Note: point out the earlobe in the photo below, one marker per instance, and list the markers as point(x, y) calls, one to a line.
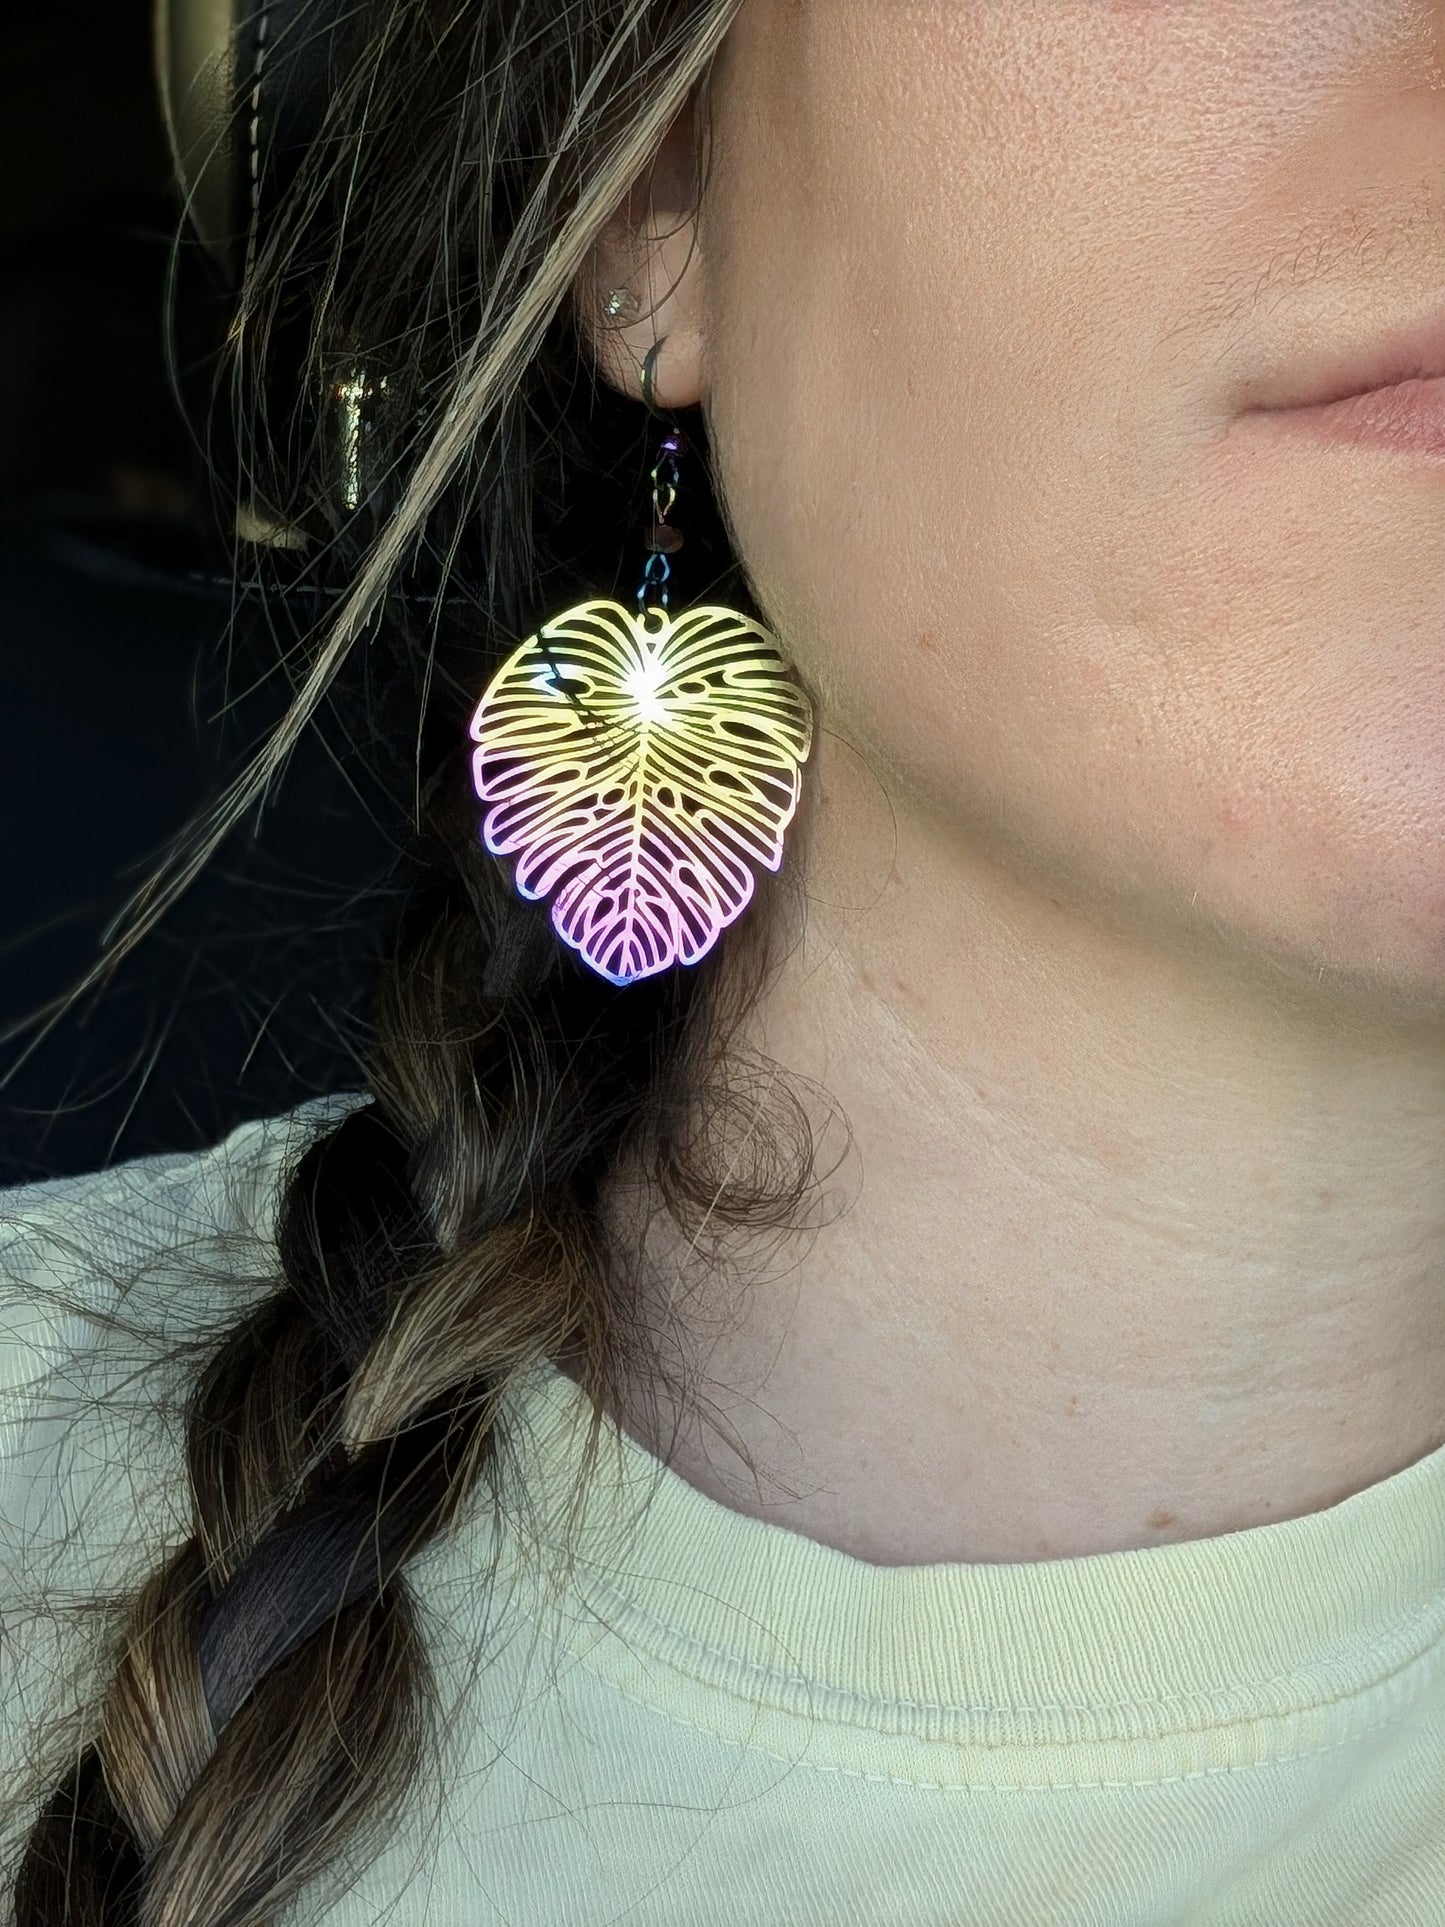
point(622, 327)
point(643, 279)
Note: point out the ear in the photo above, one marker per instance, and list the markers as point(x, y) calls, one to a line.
point(651, 248)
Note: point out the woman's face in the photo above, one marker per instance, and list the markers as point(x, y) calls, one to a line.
point(982, 289)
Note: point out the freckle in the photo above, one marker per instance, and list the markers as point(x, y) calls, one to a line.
point(1071, 1410)
point(905, 989)
point(928, 643)
point(1158, 1520)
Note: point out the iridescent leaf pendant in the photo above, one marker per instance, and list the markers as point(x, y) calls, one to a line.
point(636, 765)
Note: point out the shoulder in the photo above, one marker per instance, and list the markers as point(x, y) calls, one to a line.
point(75, 1247)
point(114, 1285)
point(107, 1276)
point(229, 1186)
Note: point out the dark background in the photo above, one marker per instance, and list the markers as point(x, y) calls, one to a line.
point(127, 693)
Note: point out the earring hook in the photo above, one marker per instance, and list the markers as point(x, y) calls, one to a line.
point(649, 369)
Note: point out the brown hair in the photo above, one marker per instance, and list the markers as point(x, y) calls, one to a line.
point(265, 1691)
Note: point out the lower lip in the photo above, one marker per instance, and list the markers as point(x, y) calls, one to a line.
point(1408, 418)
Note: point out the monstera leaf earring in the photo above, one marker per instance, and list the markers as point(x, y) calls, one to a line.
point(636, 765)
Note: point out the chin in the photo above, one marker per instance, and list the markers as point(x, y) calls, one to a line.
point(1333, 890)
point(1370, 956)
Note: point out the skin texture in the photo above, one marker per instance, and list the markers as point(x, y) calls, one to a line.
point(1125, 948)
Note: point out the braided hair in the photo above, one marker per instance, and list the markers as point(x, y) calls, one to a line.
point(264, 1705)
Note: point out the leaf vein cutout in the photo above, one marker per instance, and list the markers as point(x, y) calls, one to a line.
point(638, 772)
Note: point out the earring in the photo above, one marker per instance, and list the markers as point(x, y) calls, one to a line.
point(635, 764)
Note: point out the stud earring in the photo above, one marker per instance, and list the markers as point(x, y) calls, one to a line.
point(635, 765)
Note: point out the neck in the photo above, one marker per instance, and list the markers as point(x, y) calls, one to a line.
point(1138, 1239)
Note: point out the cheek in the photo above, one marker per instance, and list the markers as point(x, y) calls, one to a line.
point(1291, 660)
point(1185, 709)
